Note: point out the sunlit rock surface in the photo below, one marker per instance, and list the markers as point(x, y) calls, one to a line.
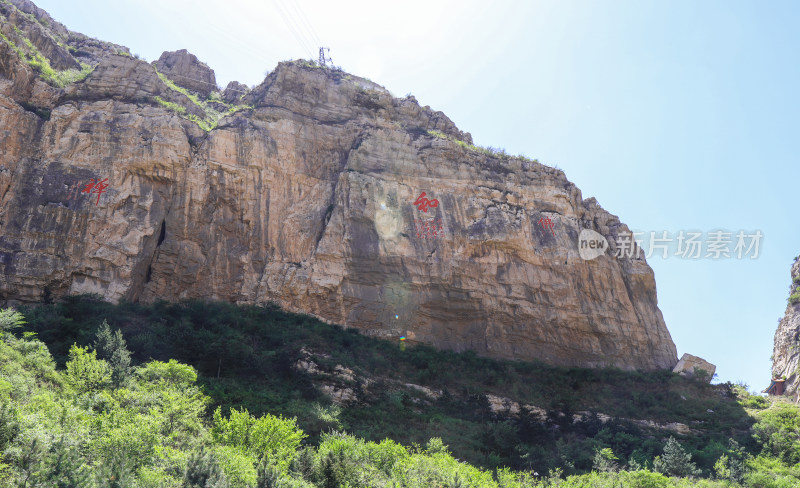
point(305, 197)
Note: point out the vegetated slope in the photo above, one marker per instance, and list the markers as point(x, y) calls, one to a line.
point(489, 412)
point(99, 422)
point(300, 191)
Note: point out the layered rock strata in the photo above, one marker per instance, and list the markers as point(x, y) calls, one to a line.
point(305, 197)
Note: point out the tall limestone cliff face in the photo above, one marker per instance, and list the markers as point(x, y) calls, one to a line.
point(303, 194)
point(786, 353)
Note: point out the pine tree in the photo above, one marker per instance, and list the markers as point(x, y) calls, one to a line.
point(114, 472)
point(203, 471)
point(456, 482)
point(67, 469)
point(30, 461)
point(675, 461)
point(9, 426)
point(732, 465)
point(303, 465)
point(112, 347)
point(268, 475)
point(605, 461)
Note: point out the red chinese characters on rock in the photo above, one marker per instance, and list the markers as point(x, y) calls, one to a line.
point(423, 203)
point(548, 224)
point(94, 186)
point(429, 228)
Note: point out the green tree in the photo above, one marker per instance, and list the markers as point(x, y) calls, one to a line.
point(172, 373)
point(111, 347)
point(29, 460)
point(605, 461)
point(203, 471)
point(10, 319)
point(271, 436)
point(9, 425)
point(268, 475)
point(67, 469)
point(114, 471)
point(456, 482)
point(304, 465)
point(85, 372)
point(732, 465)
point(777, 430)
point(675, 461)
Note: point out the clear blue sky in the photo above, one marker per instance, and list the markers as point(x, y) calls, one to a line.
point(678, 115)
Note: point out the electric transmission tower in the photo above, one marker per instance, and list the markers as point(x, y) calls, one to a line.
point(322, 58)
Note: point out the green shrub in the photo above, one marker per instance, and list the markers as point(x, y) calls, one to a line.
point(203, 471)
point(271, 436)
point(86, 373)
point(755, 401)
point(778, 430)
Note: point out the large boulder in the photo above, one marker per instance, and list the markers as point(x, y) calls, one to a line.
point(187, 71)
point(690, 365)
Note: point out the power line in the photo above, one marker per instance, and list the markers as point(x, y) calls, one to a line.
point(293, 27)
point(304, 21)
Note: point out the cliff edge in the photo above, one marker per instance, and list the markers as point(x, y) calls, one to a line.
point(300, 191)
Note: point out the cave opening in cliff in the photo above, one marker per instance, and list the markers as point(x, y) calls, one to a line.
point(163, 233)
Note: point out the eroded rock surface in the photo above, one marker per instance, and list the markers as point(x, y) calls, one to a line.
point(786, 353)
point(307, 200)
point(234, 92)
point(187, 71)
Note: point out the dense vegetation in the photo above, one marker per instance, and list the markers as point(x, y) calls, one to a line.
point(210, 397)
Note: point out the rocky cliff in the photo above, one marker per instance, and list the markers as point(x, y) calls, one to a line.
point(786, 352)
point(121, 179)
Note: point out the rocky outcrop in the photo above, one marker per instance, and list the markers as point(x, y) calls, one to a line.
point(786, 352)
point(307, 200)
point(187, 71)
point(18, 25)
point(234, 91)
point(690, 365)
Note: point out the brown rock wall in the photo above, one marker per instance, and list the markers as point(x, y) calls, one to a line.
point(307, 200)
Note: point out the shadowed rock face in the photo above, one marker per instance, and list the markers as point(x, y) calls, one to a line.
point(786, 352)
point(307, 200)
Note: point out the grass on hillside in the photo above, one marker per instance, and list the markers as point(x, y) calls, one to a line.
point(212, 116)
point(41, 64)
point(489, 151)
